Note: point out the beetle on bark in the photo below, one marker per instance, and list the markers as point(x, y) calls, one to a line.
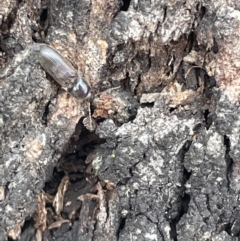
point(62, 71)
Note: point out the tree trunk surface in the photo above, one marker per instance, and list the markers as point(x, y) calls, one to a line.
point(154, 154)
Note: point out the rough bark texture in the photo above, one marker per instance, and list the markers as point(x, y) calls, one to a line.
point(163, 161)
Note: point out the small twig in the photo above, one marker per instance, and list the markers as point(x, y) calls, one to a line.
point(90, 117)
point(114, 88)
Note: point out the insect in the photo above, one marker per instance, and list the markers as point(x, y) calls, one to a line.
point(62, 71)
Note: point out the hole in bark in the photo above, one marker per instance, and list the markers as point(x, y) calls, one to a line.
point(149, 59)
point(131, 171)
point(227, 144)
point(208, 120)
point(185, 202)
point(52, 185)
point(60, 233)
point(164, 14)
point(43, 23)
point(45, 114)
point(148, 105)
point(186, 175)
point(121, 226)
point(228, 228)
point(83, 141)
point(184, 149)
point(132, 114)
point(210, 81)
point(228, 159)
point(138, 82)
point(202, 12)
point(44, 15)
point(135, 192)
point(197, 127)
point(125, 83)
point(215, 47)
point(172, 109)
point(173, 232)
point(184, 199)
point(27, 232)
point(190, 43)
point(7, 189)
point(208, 93)
point(125, 5)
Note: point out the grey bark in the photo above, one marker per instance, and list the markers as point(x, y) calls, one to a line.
point(168, 162)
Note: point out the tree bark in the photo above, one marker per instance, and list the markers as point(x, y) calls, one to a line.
point(162, 162)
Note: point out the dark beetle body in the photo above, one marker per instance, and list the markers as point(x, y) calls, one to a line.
point(62, 71)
